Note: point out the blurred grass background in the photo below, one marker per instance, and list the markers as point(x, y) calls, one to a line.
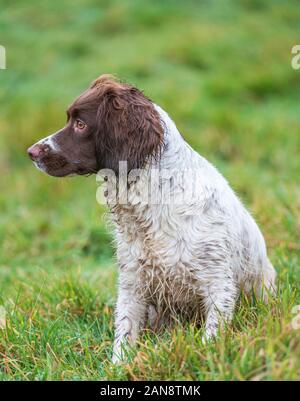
point(223, 72)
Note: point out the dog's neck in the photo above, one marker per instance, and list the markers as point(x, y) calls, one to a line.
point(174, 144)
point(141, 192)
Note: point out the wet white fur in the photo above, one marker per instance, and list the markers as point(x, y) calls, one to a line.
point(49, 140)
point(192, 257)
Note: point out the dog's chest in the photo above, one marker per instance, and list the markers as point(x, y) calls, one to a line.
point(165, 271)
point(164, 284)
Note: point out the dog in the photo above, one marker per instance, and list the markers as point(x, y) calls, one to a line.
point(190, 251)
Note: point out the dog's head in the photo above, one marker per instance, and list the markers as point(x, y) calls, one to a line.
point(108, 123)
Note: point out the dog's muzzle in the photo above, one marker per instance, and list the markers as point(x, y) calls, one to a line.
point(37, 151)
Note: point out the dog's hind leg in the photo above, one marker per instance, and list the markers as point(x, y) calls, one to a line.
point(265, 284)
point(219, 301)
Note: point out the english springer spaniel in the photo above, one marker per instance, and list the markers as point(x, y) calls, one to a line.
point(186, 246)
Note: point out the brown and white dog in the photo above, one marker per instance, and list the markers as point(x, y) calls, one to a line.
point(189, 252)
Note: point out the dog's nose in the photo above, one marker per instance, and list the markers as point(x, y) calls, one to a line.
point(35, 151)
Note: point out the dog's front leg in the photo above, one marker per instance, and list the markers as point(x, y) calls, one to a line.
point(130, 317)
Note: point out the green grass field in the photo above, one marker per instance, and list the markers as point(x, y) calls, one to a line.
point(223, 72)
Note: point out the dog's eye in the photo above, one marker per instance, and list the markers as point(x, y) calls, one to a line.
point(80, 124)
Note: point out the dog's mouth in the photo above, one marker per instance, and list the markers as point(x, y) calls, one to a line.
point(55, 165)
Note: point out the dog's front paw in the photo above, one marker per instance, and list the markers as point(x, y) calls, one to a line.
point(117, 359)
point(119, 351)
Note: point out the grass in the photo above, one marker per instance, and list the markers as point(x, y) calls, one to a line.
point(222, 70)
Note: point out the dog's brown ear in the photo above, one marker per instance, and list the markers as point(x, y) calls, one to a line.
point(129, 127)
